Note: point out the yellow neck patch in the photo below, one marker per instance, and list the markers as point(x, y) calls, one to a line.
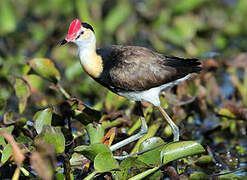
point(94, 65)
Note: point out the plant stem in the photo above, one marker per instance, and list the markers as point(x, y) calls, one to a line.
point(62, 90)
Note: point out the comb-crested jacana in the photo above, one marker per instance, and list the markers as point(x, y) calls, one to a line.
point(134, 72)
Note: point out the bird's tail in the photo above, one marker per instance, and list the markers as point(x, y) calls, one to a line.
point(191, 64)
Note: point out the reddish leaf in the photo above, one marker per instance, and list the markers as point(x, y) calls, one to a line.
point(109, 137)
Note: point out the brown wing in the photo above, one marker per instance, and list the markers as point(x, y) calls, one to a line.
point(133, 68)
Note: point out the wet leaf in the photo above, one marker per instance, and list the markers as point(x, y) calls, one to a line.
point(22, 91)
point(91, 151)
point(45, 68)
point(105, 162)
point(151, 157)
point(95, 133)
point(109, 137)
point(177, 150)
point(17, 154)
point(42, 118)
point(52, 136)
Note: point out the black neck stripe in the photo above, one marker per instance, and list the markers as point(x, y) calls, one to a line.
point(88, 26)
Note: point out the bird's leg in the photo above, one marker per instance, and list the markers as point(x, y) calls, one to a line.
point(141, 133)
point(175, 129)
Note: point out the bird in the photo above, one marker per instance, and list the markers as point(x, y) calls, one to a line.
point(134, 72)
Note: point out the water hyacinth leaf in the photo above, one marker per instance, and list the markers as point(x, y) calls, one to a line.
point(105, 162)
point(95, 133)
point(45, 68)
point(7, 17)
point(6, 153)
point(52, 136)
point(42, 118)
point(91, 151)
point(151, 157)
point(177, 150)
point(22, 91)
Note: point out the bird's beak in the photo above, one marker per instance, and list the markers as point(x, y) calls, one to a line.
point(63, 42)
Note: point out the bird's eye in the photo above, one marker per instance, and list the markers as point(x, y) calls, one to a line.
point(82, 32)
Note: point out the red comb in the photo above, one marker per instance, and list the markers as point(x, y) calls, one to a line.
point(73, 29)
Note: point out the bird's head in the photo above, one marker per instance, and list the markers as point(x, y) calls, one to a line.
point(79, 33)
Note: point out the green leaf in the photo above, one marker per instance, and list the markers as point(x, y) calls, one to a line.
point(151, 132)
point(45, 68)
point(7, 17)
point(187, 5)
point(76, 159)
point(23, 139)
point(128, 165)
point(36, 82)
point(226, 112)
point(144, 174)
point(198, 176)
point(91, 151)
point(95, 133)
point(6, 153)
point(52, 136)
point(9, 129)
point(204, 160)
point(151, 157)
point(105, 162)
point(22, 91)
point(177, 150)
point(24, 171)
point(42, 118)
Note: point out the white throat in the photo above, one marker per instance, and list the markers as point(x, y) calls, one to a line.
point(86, 48)
point(90, 61)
